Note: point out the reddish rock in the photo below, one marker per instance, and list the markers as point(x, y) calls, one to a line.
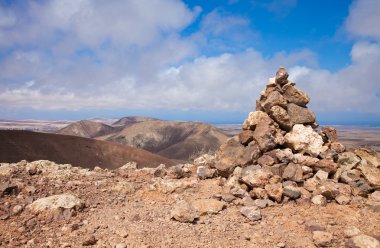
point(274, 99)
point(232, 154)
point(280, 115)
point(327, 165)
point(330, 133)
point(293, 172)
point(266, 137)
point(245, 137)
point(294, 95)
point(348, 160)
point(281, 76)
point(300, 115)
point(258, 193)
point(265, 160)
point(337, 147)
point(274, 191)
point(371, 173)
point(368, 154)
point(322, 239)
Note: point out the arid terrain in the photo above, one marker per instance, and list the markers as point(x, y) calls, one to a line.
point(134, 208)
point(16, 145)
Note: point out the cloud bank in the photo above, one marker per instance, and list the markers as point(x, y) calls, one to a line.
point(74, 55)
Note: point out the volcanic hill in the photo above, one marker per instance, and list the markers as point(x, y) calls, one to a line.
point(19, 145)
point(174, 140)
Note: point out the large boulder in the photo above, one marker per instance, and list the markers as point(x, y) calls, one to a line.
point(253, 213)
point(208, 206)
point(348, 160)
point(254, 118)
point(294, 95)
point(363, 241)
point(281, 76)
point(183, 211)
point(300, 115)
point(65, 204)
point(327, 165)
point(330, 133)
point(246, 137)
point(304, 139)
point(369, 155)
point(280, 115)
point(293, 172)
point(371, 173)
point(274, 99)
point(232, 154)
point(265, 132)
point(257, 177)
point(275, 191)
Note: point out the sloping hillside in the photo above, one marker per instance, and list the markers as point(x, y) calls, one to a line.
point(78, 151)
point(175, 140)
point(87, 129)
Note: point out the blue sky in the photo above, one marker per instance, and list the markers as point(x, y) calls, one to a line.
point(186, 60)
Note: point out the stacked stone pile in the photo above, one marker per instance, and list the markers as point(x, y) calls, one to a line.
point(281, 155)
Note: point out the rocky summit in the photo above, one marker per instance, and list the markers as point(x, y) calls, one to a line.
point(281, 155)
point(281, 182)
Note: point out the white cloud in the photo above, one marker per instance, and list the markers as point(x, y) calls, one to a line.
point(227, 81)
point(364, 19)
point(137, 22)
point(135, 57)
point(7, 18)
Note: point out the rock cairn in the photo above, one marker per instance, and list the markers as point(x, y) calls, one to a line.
point(280, 155)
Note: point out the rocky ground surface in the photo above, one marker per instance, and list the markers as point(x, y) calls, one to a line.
point(43, 204)
point(279, 183)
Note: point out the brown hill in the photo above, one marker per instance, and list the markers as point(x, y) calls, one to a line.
point(131, 120)
point(174, 140)
point(78, 151)
point(87, 129)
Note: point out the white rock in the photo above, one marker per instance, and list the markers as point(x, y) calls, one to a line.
point(322, 239)
point(183, 211)
point(253, 213)
point(64, 201)
point(205, 159)
point(129, 166)
point(319, 200)
point(304, 139)
point(363, 241)
point(351, 231)
point(7, 169)
point(321, 175)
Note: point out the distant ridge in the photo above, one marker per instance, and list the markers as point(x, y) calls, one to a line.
point(16, 145)
point(174, 140)
point(87, 129)
point(131, 120)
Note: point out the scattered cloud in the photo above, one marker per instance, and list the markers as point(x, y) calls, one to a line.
point(75, 55)
point(222, 32)
point(281, 8)
point(363, 19)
